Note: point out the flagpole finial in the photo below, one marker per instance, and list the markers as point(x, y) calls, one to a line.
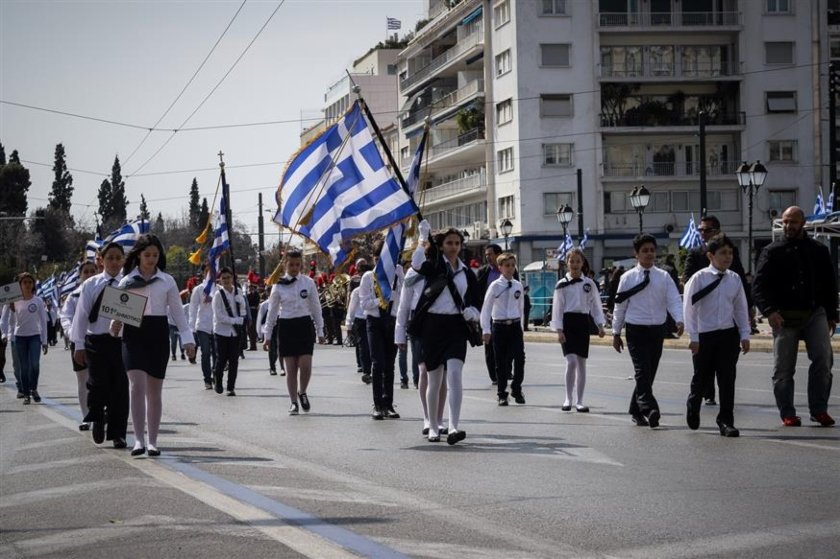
point(356, 89)
point(427, 121)
point(221, 158)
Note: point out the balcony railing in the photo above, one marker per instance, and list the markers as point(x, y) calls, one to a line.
point(457, 142)
point(669, 19)
point(467, 185)
point(669, 169)
point(671, 119)
point(460, 48)
point(446, 101)
point(648, 69)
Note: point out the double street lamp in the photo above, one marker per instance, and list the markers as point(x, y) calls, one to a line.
point(750, 179)
point(639, 199)
point(506, 226)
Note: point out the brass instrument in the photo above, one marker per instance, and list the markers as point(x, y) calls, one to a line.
point(335, 294)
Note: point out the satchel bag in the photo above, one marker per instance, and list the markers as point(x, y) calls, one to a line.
point(430, 294)
point(474, 334)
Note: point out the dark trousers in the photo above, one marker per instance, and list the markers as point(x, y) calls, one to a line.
point(490, 360)
point(332, 325)
point(207, 345)
point(3, 355)
point(383, 352)
point(509, 350)
point(107, 384)
point(414, 343)
point(52, 333)
point(227, 353)
point(175, 341)
point(272, 350)
point(362, 346)
point(718, 356)
point(252, 329)
point(644, 343)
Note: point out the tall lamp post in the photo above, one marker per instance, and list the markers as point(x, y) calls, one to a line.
point(639, 199)
point(506, 226)
point(466, 235)
point(565, 214)
point(750, 179)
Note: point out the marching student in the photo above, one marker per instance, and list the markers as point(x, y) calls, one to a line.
point(101, 353)
point(450, 299)
point(718, 326)
point(262, 316)
point(145, 347)
point(68, 311)
point(229, 308)
point(201, 324)
point(645, 295)
point(293, 305)
point(380, 336)
point(576, 298)
point(502, 318)
point(30, 335)
point(356, 321)
point(7, 328)
point(413, 286)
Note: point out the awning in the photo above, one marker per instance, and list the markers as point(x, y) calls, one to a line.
point(473, 16)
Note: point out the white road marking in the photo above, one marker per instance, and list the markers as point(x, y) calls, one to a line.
point(29, 497)
point(68, 462)
point(47, 444)
point(443, 550)
point(800, 443)
point(321, 495)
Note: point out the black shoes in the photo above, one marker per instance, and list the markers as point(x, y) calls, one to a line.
point(154, 452)
point(304, 401)
point(272, 372)
point(173, 357)
point(566, 407)
point(710, 402)
point(20, 395)
point(36, 396)
point(208, 385)
point(138, 451)
point(434, 439)
point(391, 413)
point(231, 393)
point(2, 377)
point(26, 401)
point(404, 385)
point(582, 409)
point(727, 430)
point(456, 436)
point(377, 414)
point(639, 420)
point(503, 401)
point(366, 379)
point(98, 432)
point(218, 384)
point(119, 442)
point(425, 431)
point(653, 419)
point(692, 418)
point(518, 398)
point(293, 409)
point(84, 426)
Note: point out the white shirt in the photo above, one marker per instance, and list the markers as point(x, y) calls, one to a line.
point(721, 309)
point(647, 307)
point(409, 297)
point(297, 299)
point(88, 295)
point(504, 300)
point(354, 309)
point(68, 310)
point(223, 323)
point(30, 319)
point(367, 294)
point(580, 297)
point(7, 322)
point(201, 311)
point(162, 294)
point(262, 317)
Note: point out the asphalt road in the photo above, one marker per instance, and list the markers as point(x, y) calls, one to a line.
point(238, 476)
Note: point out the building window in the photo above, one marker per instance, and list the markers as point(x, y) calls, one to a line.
point(781, 101)
point(557, 155)
point(555, 105)
point(501, 13)
point(503, 63)
point(778, 6)
point(504, 159)
point(780, 200)
point(553, 7)
point(783, 150)
point(778, 53)
point(506, 208)
point(553, 200)
point(556, 55)
point(834, 49)
point(504, 112)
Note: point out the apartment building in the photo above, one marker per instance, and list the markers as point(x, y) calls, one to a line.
point(523, 93)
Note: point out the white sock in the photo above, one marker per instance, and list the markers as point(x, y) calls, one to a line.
point(580, 384)
point(571, 371)
point(432, 392)
point(454, 369)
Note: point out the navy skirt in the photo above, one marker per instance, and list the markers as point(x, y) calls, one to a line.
point(147, 348)
point(576, 329)
point(295, 336)
point(443, 337)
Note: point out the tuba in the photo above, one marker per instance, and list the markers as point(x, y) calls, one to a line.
point(335, 294)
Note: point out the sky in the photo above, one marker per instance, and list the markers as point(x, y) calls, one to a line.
point(126, 61)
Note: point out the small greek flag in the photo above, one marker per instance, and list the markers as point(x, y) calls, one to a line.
point(70, 282)
point(221, 242)
point(829, 203)
point(127, 234)
point(691, 237)
point(90, 250)
point(819, 204)
point(393, 23)
point(565, 247)
point(582, 243)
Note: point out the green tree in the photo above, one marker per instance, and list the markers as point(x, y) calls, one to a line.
point(204, 214)
point(14, 158)
point(2, 155)
point(144, 208)
point(177, 264)
point(62, 186)
point(195, 208)
point(118, 199)
point(53, 225)
point(159, 226)
point(104, 197)
point(14, 184)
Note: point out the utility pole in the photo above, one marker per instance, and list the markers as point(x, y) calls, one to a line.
point(833, 90)
point(261, 237)
point(579, 203)
point(703, 206)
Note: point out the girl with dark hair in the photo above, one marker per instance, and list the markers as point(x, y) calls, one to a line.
point(145, 349)
point(30, 335)
point(450, 298)
point(96, 350)
point(68, 311)
point(294, 306)
point(229, 308)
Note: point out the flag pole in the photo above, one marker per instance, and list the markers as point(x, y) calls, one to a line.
point(228, 219)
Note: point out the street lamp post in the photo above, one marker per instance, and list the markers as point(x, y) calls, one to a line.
point(750, 179)
point(639, 199)
point(466, 235)
point(506, 226)
point(565, 214)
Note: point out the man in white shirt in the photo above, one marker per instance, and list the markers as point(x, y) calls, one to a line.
point(201, 322)
point(645, 295)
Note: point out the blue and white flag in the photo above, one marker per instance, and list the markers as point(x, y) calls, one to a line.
point(567, 245)
point(70, 282)
point(46, 289)
point(338, 187)
point(691, 237)
point(127, 234)
point(829, 203)
point(582, 243)
point(819, 204)
point(221, 243)
point(393, 23)
point(90, 250)
point(386, 265)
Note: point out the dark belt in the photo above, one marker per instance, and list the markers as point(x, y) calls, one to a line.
point(508, 321)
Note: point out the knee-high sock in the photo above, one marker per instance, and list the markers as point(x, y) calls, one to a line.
point(81, 380)
point(571, 372)
point(580, 383)
point(137, 391)
point(441, 401)
point(432, 391)
point(154, 407)
point(454, 369)
point(423, 386)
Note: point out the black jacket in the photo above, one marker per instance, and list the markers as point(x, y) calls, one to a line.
point(696, 260)
point(795, 274)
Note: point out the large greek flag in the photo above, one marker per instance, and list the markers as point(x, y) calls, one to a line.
point(127, 234)
point(338, 187)
point(567, 245)
point(691, 237)
point(221, 242)
point(70, 282)
point(386, 266)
